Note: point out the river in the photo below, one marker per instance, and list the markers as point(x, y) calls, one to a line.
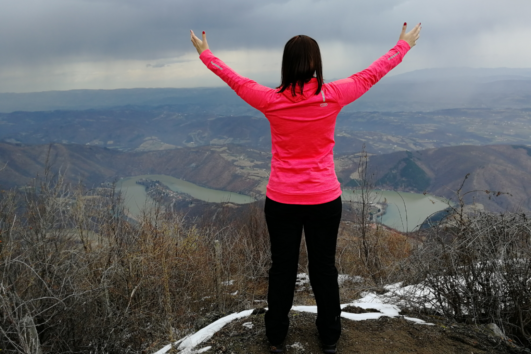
point(405, 211)
point(136, 198)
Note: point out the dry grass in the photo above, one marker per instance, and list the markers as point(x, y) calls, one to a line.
point(478, 267)
point(76, 276)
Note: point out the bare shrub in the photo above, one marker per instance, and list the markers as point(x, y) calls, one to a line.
point(476, 267)
point(76, 275)
point(366, 248)
point(378, 257)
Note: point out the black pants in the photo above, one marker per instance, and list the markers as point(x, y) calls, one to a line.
point(285, 223)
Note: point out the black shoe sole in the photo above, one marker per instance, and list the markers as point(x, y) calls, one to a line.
point(330, 349)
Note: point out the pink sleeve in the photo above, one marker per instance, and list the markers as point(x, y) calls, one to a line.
point(355, 86)
point(250, 91)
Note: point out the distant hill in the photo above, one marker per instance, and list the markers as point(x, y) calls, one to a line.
point(159, 128)
point(240, 169)
point(191, 100)
point(441, 171)
point(421, 90)
point(463, 74)
point(210, 166)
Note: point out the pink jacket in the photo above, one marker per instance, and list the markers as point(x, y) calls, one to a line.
point(302, 127)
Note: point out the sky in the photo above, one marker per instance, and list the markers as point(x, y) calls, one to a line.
point(108, 44)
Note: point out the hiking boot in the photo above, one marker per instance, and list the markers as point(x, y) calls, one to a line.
point(330, 348)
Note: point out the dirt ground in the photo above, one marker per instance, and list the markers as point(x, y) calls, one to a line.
point(385, 335)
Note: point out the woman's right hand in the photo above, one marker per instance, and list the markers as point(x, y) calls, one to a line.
point(412, 36)
point(200, 45)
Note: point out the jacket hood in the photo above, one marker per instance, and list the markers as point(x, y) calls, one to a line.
point(309, 90)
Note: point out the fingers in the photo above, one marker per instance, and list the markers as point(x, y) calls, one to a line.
point(196, 39)
point(417, 28)
point(412, 36)
point(200, 45)
point(415, 32)
point(204, 39)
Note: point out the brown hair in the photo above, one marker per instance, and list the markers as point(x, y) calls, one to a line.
point(300, 62)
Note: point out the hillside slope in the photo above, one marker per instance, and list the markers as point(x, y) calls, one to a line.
point(214, 167)
point(440, 171)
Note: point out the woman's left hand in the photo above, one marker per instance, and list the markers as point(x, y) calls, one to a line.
point(412, 36)
point(200, 45)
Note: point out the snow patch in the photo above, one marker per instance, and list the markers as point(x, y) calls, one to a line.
point(248, 325)
point(342, 278)
point(296, 345)
point(386, 304)
point(368, 301)
point(302, 279)
point(188, 343)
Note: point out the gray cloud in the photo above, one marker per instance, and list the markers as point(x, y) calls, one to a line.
point(155, 66)
point(36, 32)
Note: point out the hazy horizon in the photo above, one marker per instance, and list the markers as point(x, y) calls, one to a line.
point(397, 75)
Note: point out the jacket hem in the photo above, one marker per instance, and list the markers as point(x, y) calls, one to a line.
point(304, 199)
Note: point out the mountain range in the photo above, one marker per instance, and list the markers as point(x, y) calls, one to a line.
point(423, 131)
point(167, 127)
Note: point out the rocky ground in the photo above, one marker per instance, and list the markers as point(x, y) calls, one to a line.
point(385, 335)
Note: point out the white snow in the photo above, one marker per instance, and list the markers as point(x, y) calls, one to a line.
point(190, 342)
point(302, 279)
point(386, 304)
point(380, 303)
point(342, 278)
point(369, 301)
point(296, 345)
point(168, 347)
point(248, 325)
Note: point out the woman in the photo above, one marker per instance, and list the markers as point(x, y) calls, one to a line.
point(303, 192)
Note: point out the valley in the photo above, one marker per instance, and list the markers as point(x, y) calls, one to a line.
point(422, 132)
point(243, 170)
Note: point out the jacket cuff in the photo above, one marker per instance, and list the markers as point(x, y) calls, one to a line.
point(205, 55)
point(403, 43)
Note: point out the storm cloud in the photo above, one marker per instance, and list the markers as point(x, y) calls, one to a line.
point(64, 44)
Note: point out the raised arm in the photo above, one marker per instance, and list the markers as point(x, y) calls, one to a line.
point(250, 91)
point(355, 86)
